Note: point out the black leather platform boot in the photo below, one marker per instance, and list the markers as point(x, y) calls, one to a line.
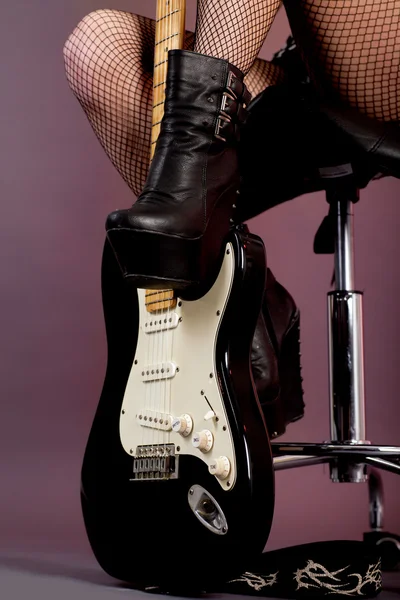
point(173, 235)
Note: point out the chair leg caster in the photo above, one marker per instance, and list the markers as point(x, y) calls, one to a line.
point(389, 546)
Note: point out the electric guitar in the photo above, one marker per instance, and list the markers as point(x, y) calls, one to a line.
point(177, 484)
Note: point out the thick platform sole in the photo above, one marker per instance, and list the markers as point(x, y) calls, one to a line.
point(153, 260)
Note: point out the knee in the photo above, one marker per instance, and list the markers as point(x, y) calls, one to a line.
point(83, 44)
point(86, 32)
point(96, 36)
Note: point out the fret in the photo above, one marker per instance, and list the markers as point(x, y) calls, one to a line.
point(150, 293)
point(162, 305)
point(161, 63)
point(169, 37)
point(158, 104)
point(168, 15)
point(162, 297)
point(158, 84)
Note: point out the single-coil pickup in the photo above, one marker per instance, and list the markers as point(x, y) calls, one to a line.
point(154, 420)
point(161, 322)
point(160, 371)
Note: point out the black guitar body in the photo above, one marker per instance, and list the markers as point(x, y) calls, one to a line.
point(145, 532)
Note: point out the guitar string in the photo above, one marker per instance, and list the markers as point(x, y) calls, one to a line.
point(168, 383)
point(153, 298)
point(170, 387)
point(150, 334)
point(164, 434)
point(147, 341)
point(150, 383)
point(158, 332)
point(164, 381)
point(172, 384)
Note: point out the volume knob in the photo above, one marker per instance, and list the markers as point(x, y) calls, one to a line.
point(220, 467)
point(203, 440)
point(183, 425)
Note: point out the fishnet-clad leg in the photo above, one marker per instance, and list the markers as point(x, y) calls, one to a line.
point(352, 50)
point(262, 74)
point(109, 66)
point(234, 30)
point(108, 61)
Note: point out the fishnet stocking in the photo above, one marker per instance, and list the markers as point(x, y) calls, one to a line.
point(352, 50)
point(234, 30)
point(109, 66)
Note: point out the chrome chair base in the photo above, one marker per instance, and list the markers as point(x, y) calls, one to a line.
point(356, 456)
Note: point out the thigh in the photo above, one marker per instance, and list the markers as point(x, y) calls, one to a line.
point(352, 50)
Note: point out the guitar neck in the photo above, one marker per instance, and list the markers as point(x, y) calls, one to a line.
point(170, 32)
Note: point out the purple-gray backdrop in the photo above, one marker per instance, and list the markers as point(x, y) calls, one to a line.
point(57, 186)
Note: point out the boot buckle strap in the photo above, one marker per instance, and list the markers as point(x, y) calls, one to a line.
point(226, 96)
point(233, 97)
point(226, 118)
point(222, 118)
point(233, 109)
point(238, 89)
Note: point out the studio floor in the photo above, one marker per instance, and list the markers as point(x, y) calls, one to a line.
point(68, 577)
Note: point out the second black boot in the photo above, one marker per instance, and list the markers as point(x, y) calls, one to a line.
point(173, 235)
point(275, 358)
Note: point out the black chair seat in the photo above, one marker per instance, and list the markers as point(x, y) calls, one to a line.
point(376, 141)
point(293, 145)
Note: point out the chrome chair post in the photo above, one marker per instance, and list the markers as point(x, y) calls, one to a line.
point(346, 348)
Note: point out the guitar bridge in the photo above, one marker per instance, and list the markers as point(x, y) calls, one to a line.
point(155, 462)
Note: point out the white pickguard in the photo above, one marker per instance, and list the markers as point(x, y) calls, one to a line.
point(188, 351)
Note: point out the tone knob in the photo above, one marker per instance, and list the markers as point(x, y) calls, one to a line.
point(183, 425)
point(220, 467)
point(203, 440)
